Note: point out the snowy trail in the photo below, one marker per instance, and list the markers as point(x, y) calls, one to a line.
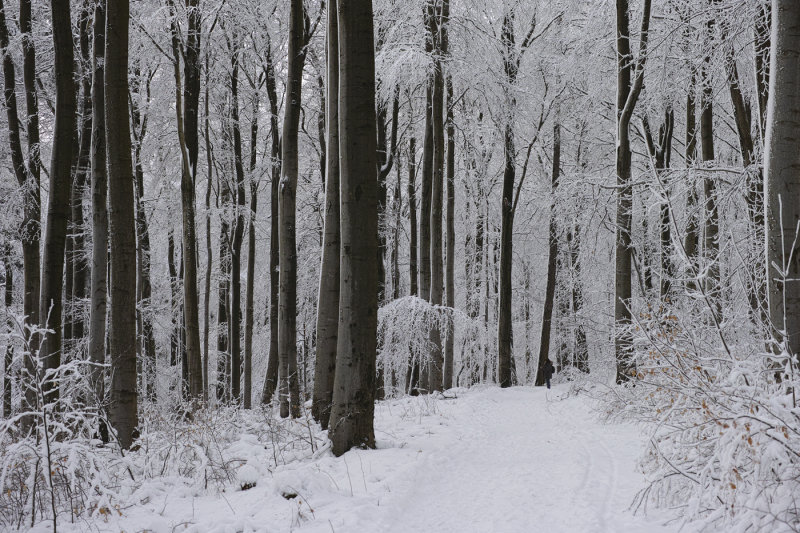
point(518, 460)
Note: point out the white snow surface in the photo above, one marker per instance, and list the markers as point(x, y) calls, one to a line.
point(480, 460)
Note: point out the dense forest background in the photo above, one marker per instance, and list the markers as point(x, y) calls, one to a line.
point(556, 179)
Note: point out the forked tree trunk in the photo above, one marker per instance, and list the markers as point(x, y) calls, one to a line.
point(628, 91)
point(287, 197)
point(781, 160)
point(328, 300)
point(186, 107)
point(552, 257)
point(122, 345)
point(353, 407)
point(99, 281)
point(50, 302)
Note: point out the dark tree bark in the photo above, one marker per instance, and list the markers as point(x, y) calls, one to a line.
point(238, 233)
point(781, 159)
point(99, 281)
point(761, 42)
point(122, 345)
point(412, 216)
point(504, 330)
point(287, 197)
point(58, 205)
point(175, 304)
point(271, 381)
point(437, 194)
point(352, 413)
point(552, 257)
point(328, 300)
point(628, 91)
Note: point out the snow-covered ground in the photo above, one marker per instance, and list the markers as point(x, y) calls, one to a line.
point(487, 460)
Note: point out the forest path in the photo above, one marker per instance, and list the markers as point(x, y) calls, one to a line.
point(515, 460)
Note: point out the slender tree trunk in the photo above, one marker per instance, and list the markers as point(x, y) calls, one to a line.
point(186, 107)
point(99, 281)
point(80, 273)
point(691, 242)
point(50, 304)
point(552, 257)
point(271, 381)
point(627, 95)
point(450, 228)
point(31, 222)
point(711, 233)
point(238, 234)
point(124, 416)
point(223, 296)
point(8, 357)
point(762, 49)
point(251, 263)
point(175, 306)
point(328, 300)
point(781, 160)
point(209, 249)
point(287, 197)
point(412, 216)
point(353, 407)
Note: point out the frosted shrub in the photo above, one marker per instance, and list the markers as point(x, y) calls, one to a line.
point(725, 444)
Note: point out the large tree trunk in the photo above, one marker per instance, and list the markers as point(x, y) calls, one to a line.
point(271, 381)
point(353, 407)
point(552, 257)
point(99, 281)
point(50, 303)
point(122, 345)
point(287, 197)
point(328, 300)
point(781, 160)
point(238, 233)
point(437, 194)
point(504, 319)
